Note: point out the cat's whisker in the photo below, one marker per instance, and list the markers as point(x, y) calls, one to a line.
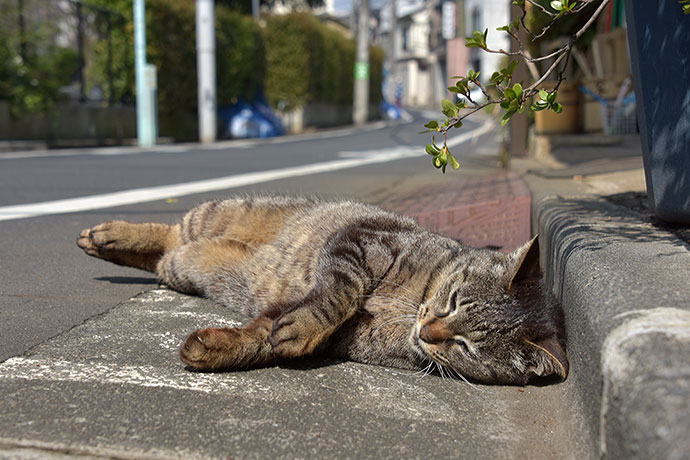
point(440, 372)
point(425, 371)
point(462, 377)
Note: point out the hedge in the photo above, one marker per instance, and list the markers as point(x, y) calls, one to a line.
point(308, 61)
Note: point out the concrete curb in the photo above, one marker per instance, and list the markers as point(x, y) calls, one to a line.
point(624, 286)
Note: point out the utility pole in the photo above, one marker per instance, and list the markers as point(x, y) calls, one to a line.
point(146, 87)
point(206, 69)
point(360, 112)
point(392, 50)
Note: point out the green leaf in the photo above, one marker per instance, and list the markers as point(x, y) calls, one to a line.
point(557, 5)
point(552, 97)
point(432, 124)
point(453, 89)
point(511, 67)
point(449, 109)
point(543, 94)
point(558, 108)
point(517, 88)
point(453, 162)
point(539, 105)
point(507, 116)
point(509, 94)
point(430, 150)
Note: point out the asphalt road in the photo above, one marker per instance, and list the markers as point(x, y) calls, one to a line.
point(49, 286)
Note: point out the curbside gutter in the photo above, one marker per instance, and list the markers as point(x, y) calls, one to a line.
point(624, 286)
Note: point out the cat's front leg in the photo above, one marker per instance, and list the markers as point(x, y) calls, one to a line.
point(299, 331)
point(343, 280)
point(229, 348)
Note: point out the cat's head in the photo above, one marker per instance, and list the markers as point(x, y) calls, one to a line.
point(492, 320)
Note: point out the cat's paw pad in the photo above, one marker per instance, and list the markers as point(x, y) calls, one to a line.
point(295, 334)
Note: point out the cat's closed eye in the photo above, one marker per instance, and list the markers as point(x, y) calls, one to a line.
point(461, 344)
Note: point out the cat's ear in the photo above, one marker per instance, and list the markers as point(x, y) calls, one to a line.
point(525, 263)
point(548, 358)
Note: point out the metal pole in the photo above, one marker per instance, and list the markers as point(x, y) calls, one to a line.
point(145, 128)
point(206, 69)
point(360, 112)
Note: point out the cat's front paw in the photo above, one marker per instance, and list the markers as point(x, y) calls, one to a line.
point(296, 333)
point(203, 349)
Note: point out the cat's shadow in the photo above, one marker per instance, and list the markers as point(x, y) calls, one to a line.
point(128, 280)
point(305, 364)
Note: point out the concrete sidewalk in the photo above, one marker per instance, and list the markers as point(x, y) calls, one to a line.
point(622, 277)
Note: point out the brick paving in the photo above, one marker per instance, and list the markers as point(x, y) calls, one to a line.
point(487, 210)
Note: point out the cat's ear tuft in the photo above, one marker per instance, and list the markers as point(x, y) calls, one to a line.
point(525, 263)
point(548, 358)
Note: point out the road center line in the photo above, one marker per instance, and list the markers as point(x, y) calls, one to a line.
point(142, 195)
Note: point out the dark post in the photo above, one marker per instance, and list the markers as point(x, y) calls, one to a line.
point(658, 36)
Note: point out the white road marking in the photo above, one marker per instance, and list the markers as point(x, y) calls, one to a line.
point(142, 195)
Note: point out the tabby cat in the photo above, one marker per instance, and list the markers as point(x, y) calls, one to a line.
point(347, 280)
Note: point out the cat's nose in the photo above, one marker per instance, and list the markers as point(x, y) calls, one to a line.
point(433, 332)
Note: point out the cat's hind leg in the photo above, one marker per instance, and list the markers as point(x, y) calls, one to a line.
point(229, 348)
point(138, 245)
point(211, 268)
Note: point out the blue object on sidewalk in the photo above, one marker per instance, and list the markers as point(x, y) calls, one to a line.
point(244, 120)
point(389, 111)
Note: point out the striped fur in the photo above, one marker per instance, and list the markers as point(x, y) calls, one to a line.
point(347, 280)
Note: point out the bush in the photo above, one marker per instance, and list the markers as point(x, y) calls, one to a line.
point(32, 72)
point(240, 56)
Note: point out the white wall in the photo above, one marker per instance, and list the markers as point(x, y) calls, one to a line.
point(494, 13)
